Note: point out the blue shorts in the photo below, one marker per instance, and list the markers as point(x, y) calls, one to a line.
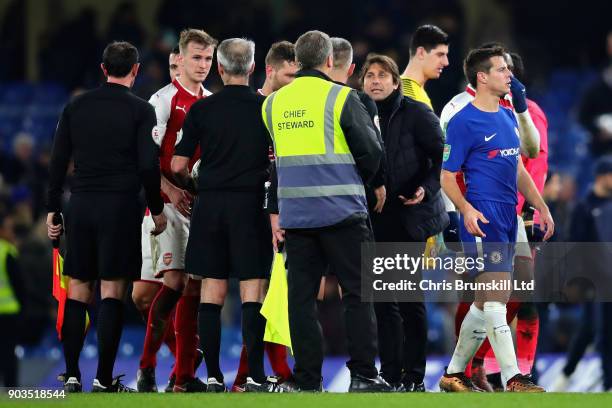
point(497, 248)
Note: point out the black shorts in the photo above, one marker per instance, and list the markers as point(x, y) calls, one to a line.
point(230, 236)
point(103, 236)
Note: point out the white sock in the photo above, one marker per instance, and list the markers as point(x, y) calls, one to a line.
point(500, 338)
point(471, 336)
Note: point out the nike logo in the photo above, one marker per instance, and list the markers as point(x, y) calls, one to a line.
point(183, 108)
point(487, 138)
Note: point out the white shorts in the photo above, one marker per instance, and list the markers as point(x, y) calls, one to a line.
point(146, 272)
point(166, 250)
point(448, 204)
point(522, 248)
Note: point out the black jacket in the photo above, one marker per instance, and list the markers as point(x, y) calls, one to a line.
point(413, 144)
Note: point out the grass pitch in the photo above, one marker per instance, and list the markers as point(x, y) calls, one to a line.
point(428, 400)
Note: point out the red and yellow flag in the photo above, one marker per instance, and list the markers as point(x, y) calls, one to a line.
point(60, 291)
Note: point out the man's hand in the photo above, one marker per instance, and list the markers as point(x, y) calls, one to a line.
point(519, 95)
point(471, 216)
point(278, 234)
point(160, 223)
point(181, 199)
point(53, 231)
point(546, 223)
point(418, 196)
point(381, 196)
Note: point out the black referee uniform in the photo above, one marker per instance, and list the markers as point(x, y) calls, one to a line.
point(230, 234)
point(107, 132)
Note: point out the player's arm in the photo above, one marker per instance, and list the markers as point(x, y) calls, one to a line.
point(180, 198)
point(528, 189)
point(528, 132)
point(456, 151)
point(471, 216)
point(185, 149)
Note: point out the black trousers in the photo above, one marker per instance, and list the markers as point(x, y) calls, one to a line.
point(402, 327)
point(309, 252)
point(8, 359)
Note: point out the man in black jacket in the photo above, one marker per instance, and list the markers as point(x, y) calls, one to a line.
point(107, 131)
point(414, 209)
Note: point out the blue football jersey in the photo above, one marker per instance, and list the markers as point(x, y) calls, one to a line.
point(486, 147)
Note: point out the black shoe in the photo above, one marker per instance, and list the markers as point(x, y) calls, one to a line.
point(416, 388)
point(215, 386)
point(170, 386)
point(145, 380)
point(116, 386)
point(193, 385)
point(269, 385)
point(290, 386)
point(359, 383)
point(72, 384)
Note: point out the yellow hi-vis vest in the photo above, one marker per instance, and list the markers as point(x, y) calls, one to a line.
point(8, 301)
point(318, 181)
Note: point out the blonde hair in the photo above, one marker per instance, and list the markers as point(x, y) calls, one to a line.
point(197, 36)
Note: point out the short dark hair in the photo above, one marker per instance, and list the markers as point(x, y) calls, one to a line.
point(385, 62)
point(175, 50)
point(493, 44)
point(118, 58)
point(312, 49)
point(518, 67)
point(479, 60)
point(280, 52)
point(429, 37)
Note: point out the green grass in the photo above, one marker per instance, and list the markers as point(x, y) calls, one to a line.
point(433, 400)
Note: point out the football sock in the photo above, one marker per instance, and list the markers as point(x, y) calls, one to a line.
point(277, 354)
point(243, 367)
point(253, 327)
point(161, 308)
point(485, 352)
point(527, 330)
point(471, 336)
point(500, 337)
point(209, 328)
point(73, 335)
point(110, 324)
point(186, 318)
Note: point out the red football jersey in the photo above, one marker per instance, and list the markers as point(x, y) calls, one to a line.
point(172, 103)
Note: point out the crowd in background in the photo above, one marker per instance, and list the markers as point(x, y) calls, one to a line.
point(71, 50)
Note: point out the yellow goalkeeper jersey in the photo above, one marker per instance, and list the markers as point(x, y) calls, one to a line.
point(413, 90)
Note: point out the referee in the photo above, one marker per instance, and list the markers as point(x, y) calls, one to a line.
point(107, 132)
point(230, 233)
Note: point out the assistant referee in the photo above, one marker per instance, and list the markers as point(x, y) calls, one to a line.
point(107, 132)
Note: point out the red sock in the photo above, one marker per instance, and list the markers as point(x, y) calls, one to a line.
point(527, 342)
point(462, 310)
point(186, 324)
point(277, 354)
point(159, 314)
point(169, 337)
point(243, 368)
